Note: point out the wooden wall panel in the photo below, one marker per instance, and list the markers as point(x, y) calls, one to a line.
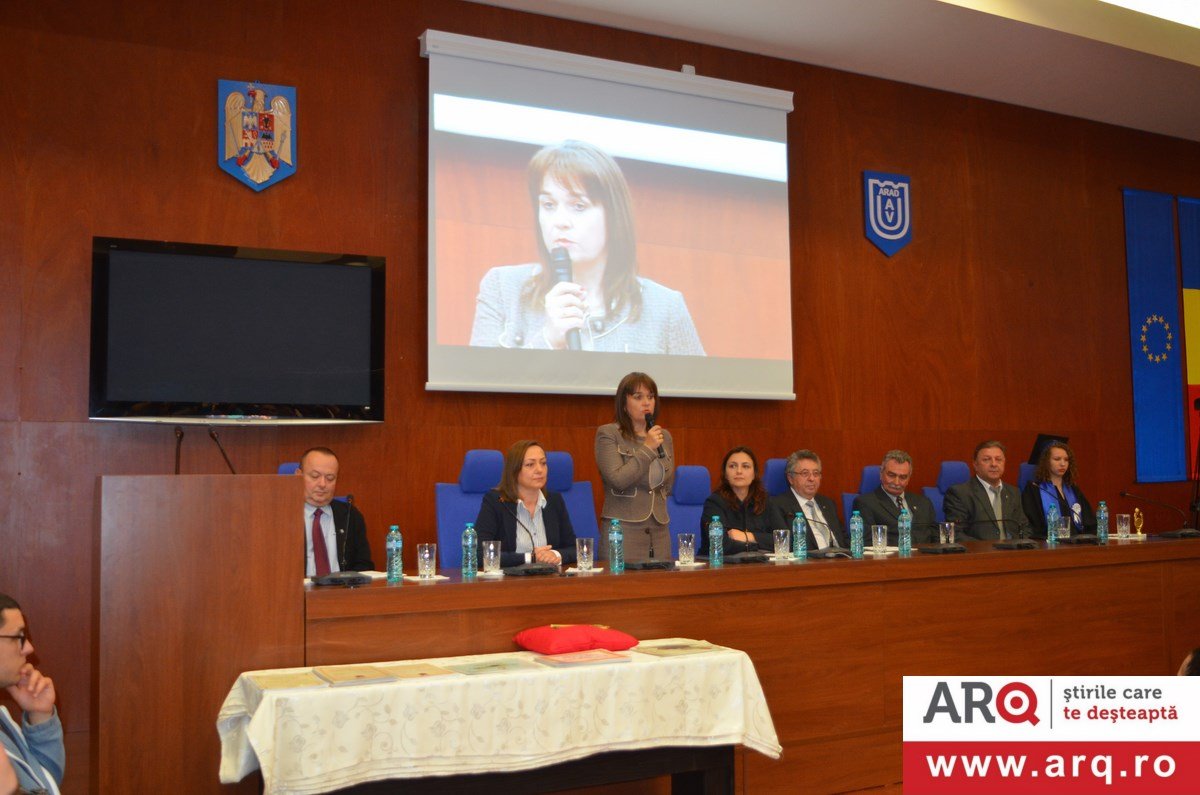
point(1005, 316)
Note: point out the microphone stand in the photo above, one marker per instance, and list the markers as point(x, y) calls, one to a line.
point(1183, 532)
point(213, 435)
point(178, 445)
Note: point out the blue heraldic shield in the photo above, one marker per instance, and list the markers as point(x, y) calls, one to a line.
point(888, 206)
point(256, 132)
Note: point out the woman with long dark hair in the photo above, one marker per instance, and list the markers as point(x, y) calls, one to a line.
point(741, 503)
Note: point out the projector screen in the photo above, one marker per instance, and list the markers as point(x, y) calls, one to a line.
point(588, 218)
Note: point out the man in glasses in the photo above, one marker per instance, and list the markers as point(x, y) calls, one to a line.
point(804, 479)
point(33, 746)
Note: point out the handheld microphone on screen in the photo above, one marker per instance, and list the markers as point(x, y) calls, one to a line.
point(212, 433)
point(1183, 532)
point(650, 424)
point(560, 264)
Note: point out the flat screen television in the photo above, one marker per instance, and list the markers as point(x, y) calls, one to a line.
point(204, 334)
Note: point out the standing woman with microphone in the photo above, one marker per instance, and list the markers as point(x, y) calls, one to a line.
point(1054, 484)
point(636, 459)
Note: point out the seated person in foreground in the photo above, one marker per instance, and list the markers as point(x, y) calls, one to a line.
point(33, 745)
point(883, 505)
point(741, 504)
point(1054, 484)
point(335, 532)
point(530, 522)
point(820, 513)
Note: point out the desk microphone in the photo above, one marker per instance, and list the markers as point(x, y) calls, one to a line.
point(212, 433)
point(1183, 532)
point(560, 265)
point(831, 551)
point(936, 547)
point(649, 563)
point(178, 445)
point(1020, 542)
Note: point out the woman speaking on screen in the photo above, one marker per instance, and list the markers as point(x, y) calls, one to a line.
point(637, 469)
point(584, 293)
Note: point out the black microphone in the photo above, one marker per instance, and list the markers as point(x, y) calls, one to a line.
point(560, 264)
point(650, 424)
point(1020, 542)
point(831, 551)
point(936, 547)
point(178, 445)
point(212, 433)
point(1183, 532)
point(341, 533)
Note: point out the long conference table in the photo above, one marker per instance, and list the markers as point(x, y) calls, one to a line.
point(830, 640)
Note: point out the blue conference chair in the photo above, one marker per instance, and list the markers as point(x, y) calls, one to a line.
point(775, 476)
point(686, 502)
point(1027, 472)
point(950, 474)
point(458, 503)
point(577, 494)
point(868, 483)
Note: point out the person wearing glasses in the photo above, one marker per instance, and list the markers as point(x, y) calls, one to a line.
point(34, 746)
point(820, 513)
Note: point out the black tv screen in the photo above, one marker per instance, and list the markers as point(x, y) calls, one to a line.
point(219, 334)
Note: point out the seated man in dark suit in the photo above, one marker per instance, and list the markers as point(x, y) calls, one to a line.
point(985, 507)
point(335, 532)
point(530, 521)
point(883, 505)
point(804, 478)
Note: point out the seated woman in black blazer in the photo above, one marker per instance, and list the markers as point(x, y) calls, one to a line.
point(530, 522)
point(741, 502)
point(1054, 484)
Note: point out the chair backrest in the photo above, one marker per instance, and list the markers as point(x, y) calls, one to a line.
point(848, 498)
point(686, 502)
point(577, 494)
point(951, 474)
point(870, 479)
point(1027, 471)
point(458, 503)
point(938, 499)
point(775, 476)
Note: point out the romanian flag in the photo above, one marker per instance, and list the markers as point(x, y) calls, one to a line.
point(1189, 256)
point(1160, 446)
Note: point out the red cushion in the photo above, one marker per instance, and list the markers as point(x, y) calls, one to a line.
point(560, 639)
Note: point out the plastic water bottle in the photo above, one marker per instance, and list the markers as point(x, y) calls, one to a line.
point(799, 537)
point(1102, 523)
point(856, 536)
point(616, 547)
point(904, 525)
point(395, 561)
point(716, 542)
point(470, 558)
point(1052, 517)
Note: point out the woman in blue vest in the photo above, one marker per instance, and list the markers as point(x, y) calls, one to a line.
point(1054, 483)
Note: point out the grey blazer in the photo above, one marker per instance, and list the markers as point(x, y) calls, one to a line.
point(969, 505)
point(625, 474)
point(502, 319)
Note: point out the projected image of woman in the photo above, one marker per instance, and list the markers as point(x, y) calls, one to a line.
point(583, 220)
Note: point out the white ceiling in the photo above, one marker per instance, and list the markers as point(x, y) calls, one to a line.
point(1077, 57)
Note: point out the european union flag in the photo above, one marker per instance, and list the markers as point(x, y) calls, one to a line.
point(1154, 337)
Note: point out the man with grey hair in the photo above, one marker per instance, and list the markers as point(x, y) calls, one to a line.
point(804, 478)
point(883, 505)
point(985, 507)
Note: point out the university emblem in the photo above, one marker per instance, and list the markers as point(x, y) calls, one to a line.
point(886, 198)
point(256, 132)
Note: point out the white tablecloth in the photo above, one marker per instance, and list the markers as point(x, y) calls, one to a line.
point(317, 739)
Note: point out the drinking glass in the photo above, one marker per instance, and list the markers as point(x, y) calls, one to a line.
point(426, 561)
point(783, 542)
point(491, 557)
point(687, 549)
point(1123, 526)
point(879, 538)
point(584, 549)
point(946, 532)
point(1064, 527)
